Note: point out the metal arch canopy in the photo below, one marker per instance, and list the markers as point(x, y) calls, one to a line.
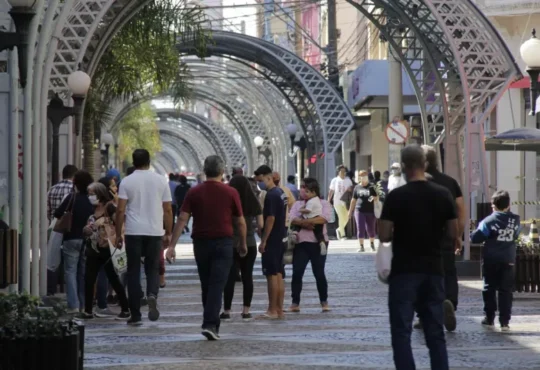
point(196, 138)
point(228, 145)
point(182, 154)
point(332, 119)
point(173, 139)
point(189, 140)
point(177, 154)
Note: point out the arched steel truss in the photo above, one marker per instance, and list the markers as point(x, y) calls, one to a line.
point(190, 138)
point(177, 155)
point(221, 140)
point(228, 147)
point(457, 61)
point(180, 141)
point(197, 138)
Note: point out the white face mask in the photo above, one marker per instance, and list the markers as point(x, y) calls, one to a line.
point(93, 200)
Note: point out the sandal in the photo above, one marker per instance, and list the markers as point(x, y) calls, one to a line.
point(266, 316)
point(294, 308)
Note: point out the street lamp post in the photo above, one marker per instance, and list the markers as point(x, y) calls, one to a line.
point(301, 143)
point(78, 82)
point(259, 141)
point(108, 140)
point(530, 53)
point(22, 12)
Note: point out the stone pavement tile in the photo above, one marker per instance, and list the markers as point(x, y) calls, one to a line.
point(354, 335)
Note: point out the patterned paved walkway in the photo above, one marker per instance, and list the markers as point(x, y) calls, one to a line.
point(354, 335)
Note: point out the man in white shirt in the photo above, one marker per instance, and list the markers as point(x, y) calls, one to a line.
point(144, 203)
point(396, 178)
point(338, 187)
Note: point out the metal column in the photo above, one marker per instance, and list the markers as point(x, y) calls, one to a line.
point(395, 101)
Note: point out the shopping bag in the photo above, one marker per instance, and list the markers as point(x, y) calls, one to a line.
point(54, 250)
point(118, 258)
point(383, 262)
point(377, 208)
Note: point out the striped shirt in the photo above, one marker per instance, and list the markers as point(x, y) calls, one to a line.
point(56, 196)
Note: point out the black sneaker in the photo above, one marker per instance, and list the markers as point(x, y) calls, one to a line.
point(85, 316)
point(225, 316)
point(210, 334)
point(505, 327)
point(153, 313)
point(246, 316)
point(488, 322)
point(123, 316)
point(450, 322)
point(134, 322)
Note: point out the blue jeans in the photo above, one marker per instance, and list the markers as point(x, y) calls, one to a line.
point(425, 293)
point(214, 258)
point(74, 266)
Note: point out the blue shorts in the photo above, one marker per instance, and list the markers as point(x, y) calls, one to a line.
point(272, 259)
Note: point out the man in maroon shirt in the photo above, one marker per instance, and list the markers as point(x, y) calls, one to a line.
point(214, 207)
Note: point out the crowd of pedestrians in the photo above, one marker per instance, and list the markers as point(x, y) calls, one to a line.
point(419, 209)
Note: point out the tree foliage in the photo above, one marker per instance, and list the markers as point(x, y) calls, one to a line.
point(142, 60)
point(139, 130)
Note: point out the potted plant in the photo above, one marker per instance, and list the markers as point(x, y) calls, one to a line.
point(33, 337)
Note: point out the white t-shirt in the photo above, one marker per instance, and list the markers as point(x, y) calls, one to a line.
point(145, 192)
point(314, 205)
point(395, 182)
point(340, 186)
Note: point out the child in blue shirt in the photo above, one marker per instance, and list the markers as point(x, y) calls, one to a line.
point(499, 232)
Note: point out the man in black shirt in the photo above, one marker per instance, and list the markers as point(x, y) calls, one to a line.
point(415, 218)
point(451, 247)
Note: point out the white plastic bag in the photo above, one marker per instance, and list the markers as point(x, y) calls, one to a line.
point(377, 207)
point(383, 262)
point(54, 250)
point(118, 258)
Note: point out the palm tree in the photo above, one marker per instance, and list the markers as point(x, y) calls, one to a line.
point(143, 55)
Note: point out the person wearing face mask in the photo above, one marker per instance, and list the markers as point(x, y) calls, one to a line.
point(99, 231)
point(73, 247)
point(396, 178)
point(363, 206)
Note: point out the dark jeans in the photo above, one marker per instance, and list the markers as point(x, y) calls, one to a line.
point(214, 258)
point(451, 286)
point(498, 278)
point(425, 293)
point(149, 247)
point(102, 288)
point(94, 262)
point(302, 254)
point(246, 268)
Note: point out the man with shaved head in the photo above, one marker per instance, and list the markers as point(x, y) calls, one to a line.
point(417, 217)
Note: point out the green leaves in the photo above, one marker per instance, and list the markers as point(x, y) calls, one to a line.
point(139, 130)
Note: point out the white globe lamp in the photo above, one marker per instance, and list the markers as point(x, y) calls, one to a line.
point(79, 83)
point(530, 53)
point(258, 141)
point(107, 139)
point(292, 129)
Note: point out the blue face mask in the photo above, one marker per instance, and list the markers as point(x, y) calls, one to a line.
point(262, 186)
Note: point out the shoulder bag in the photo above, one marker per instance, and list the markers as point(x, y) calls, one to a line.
point(63, 225)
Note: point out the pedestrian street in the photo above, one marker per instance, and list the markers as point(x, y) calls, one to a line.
point(354, 335)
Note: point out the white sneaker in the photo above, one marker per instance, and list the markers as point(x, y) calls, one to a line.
point(104, 313)
point(338, 235)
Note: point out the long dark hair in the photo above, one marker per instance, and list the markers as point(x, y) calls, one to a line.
point(250, 204)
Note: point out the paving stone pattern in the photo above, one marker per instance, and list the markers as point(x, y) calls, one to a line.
point(354, 335)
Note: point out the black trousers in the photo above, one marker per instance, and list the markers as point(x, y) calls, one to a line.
point(94, 262)
point(214, 258)
point(498, 278)
point(246, 268)
point(303, 254)
point(451, 287)
point(149, 247)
